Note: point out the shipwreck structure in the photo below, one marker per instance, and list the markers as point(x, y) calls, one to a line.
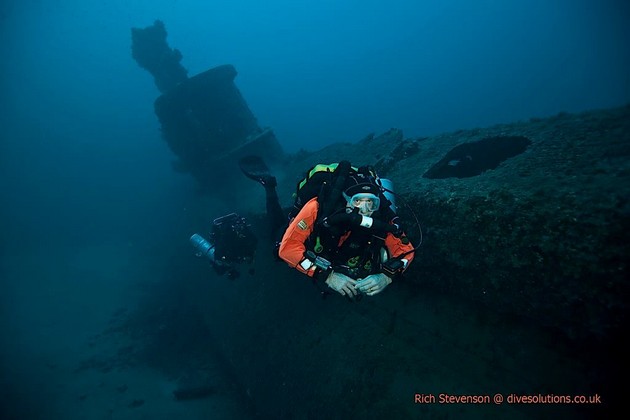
point(204, 119)
point(529, 218)
point(520, 281)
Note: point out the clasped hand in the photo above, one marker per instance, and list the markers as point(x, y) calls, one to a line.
point(373, 284)
point(346, 286)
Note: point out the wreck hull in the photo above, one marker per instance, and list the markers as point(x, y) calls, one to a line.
point(207, 124)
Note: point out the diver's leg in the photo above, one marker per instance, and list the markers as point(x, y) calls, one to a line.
point(275, 214)
point(255, 168)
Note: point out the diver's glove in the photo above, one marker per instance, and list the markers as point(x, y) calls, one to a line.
point(342, 284)
point(373, 284)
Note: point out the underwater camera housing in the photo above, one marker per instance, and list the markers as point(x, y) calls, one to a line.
point(233, 240)
point(230, 241)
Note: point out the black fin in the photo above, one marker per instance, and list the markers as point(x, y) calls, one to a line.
point(254, 167)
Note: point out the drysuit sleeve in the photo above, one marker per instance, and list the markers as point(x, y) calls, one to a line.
point(396, 247)
point(292, 247)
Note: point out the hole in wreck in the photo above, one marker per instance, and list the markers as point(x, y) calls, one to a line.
point(472, 159)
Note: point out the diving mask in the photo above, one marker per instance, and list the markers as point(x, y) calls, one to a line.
point(367, 203)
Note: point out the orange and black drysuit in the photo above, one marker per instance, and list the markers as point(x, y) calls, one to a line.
point(352, 249)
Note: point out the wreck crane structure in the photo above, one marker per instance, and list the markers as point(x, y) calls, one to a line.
point(204, 119)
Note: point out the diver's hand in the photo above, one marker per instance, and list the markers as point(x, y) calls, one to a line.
point(352, 218)
point(373, 284)
point(342, 284)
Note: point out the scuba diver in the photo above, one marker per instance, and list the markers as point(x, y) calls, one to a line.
point(230, 242)
point(342, 230)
